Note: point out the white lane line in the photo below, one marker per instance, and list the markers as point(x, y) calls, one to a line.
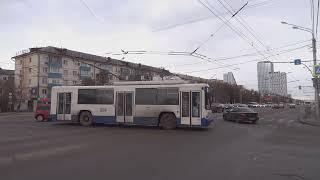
point(280, 120)
point(47, 152)
point(40, 153)
point(291, 121)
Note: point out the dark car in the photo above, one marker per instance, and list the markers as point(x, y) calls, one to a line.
point(241, 114)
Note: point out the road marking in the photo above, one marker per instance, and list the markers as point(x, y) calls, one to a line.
point(291, 121)
point(280, 120)
point(41, 154)
point(47, 152)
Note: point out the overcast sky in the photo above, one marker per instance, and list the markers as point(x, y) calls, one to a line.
point(102, 26)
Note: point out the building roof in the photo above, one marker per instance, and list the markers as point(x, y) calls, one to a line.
point(86, 56)
point(6, 72)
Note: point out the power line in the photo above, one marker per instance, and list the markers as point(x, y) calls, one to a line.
point(244, 24)
point(211, 35)
point(255, 54)
point(168, 27)
point(196, 55)
point(92, 12)
point(255, 60)
point(247, 27)
point(259, 4)
point(240, 34)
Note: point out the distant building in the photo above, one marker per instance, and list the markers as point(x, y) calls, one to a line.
point(270, 82)
point(37, 70)
point(229, 78)
point(6, 90)
point(264, 69)
point(6, 74)
point(279, 83)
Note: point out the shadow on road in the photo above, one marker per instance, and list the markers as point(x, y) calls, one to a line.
point(131, 127)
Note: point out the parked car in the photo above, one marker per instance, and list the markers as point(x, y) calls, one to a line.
point(42, 112)
point(241, 114)
point(281, 105)
point(253, 105)
point(240, 105)
point(292, 105)
point(217, 108)
point(278, 106)
point(227, 107)
point(268, 105)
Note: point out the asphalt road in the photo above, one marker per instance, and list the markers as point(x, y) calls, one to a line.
point(278, 147)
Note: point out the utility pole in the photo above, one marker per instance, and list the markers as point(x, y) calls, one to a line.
point(314, 53)
point(316, 87)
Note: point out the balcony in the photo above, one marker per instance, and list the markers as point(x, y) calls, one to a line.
point(83, 77)
point(85, 68)
point(54, 75)
point(50, 85)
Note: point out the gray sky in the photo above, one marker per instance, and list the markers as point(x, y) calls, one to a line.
point(100, 27)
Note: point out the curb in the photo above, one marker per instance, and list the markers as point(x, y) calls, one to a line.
point(309, 123)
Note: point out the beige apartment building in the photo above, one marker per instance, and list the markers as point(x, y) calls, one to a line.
point(37, 70)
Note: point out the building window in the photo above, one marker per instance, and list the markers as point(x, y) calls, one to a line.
point(84, 73)
point(54, 69)
point(65, 62)
point(75, 73)
point(55, 81)
point(30, 70)
point(65, 82)
point(29, 59)
point(45, 69)
point(65, 72)
point(74, 82)
point(29, 81)
point(5, 78)
point(44, 91)
point(20, 72)
point(44, 80)
point(95, 96)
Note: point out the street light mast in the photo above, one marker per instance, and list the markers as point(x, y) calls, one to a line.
point(314, 53)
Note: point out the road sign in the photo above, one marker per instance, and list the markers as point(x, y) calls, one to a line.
point(297, 61)
point(317, 70)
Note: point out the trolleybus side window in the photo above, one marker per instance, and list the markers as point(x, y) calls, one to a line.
point(161, 96)
point(168, 96)
point(95, 96)
point(146, 96)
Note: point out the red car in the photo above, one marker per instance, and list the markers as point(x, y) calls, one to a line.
point(42, 112)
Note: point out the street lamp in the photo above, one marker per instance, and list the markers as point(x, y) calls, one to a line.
point(314, 52)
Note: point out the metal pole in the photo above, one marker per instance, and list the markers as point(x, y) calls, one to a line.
point(314, 50)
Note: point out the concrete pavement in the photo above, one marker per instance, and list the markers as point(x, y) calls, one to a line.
point(278, 147)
